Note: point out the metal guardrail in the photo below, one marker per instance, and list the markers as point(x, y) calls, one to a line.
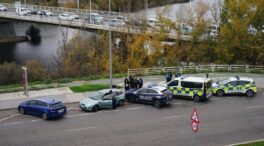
point(75, 23)
point(197, 69)
point(62, 9)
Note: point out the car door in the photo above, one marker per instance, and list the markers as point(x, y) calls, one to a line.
point(241, 86)
point(31, 108)
point(142, 95)
point(232, 87)
point(173, 85)
point(40, 107)
point(152, 94)
point(106, 101)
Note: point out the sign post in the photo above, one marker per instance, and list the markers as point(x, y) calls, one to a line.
point(194, 124)
point(25, 81)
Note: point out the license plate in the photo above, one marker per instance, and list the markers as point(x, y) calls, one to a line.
point(60, 111)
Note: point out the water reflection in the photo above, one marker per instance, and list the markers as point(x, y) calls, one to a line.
point(44, 52)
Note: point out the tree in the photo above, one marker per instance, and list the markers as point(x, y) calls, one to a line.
point(34, 33)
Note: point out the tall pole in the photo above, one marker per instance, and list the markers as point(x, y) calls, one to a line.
point(110, 44)
point(78, 5)
point(146, 9)
point(90, 11)
point(25, 81)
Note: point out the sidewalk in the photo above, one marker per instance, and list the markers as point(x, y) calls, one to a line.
point(11, 100)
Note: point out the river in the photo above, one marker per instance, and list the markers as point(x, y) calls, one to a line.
point(45, 52)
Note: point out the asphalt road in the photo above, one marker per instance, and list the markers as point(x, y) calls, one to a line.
point(224, 120)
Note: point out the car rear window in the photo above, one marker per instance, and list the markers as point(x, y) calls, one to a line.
point(56, 105)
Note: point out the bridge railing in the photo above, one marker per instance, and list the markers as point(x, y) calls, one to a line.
point(80, 23)
point(197, 69)
point(62, 9)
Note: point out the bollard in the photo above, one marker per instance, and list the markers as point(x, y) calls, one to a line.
point(207, 75)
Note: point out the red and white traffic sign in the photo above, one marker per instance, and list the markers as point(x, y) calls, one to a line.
point(194, 116)
point(194, 126)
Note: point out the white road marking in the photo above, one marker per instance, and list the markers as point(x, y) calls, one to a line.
point(134, 108)
point(250, 107)
point(78, 129)
point(78, 115)
point(173, 117)
point(9, 117)
point(245, 142)
point(15, 123)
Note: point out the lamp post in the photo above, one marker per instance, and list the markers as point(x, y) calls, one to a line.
point(110, 44)
point(25, 81)
point(90, 11)
point(146, 9)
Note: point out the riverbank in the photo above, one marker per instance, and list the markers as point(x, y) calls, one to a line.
point(13, 39)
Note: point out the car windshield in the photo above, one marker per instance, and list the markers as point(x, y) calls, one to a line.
point(224, 82)
point(56, 105)
point(96, 96)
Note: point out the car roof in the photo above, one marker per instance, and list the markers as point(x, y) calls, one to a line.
point(159, 88)
point(107, 90)
point(48, 100)
point(241, 78)
point(193, 79)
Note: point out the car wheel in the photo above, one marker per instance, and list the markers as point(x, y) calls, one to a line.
point(121, 103)
point(22, 111)
point(95, 108)
point(44, 116)
point(196, 98)
point(157, 104)
point(250, 93)
point(220, 93)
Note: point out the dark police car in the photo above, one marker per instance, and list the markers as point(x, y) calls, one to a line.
point(157, 96)
point(46, 108)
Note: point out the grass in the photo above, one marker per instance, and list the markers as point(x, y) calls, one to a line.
point(89, 87)
point(49, 83)
point(259, 143)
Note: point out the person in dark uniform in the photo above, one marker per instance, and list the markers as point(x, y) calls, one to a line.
point(131, 82)
point(114, 101)
point(136, 83)
point(167, 76)
point(126, 82)
point(140, 83)
point(170, 76)
point(178, 75)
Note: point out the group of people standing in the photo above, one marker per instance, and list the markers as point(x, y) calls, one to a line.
point(133, 83)
point(169, 75)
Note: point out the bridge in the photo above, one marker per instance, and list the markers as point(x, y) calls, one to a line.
point(81, 23)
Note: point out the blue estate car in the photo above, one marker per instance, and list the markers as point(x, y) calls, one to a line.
point(157, 96)
point(46, 108)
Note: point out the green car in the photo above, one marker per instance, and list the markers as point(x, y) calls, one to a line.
point(235, 85)
point(102, 100)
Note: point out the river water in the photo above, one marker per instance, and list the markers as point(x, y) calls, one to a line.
point(46, 51)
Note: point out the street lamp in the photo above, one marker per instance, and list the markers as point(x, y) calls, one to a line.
point(25, 81)
point(146, 8)
point(110, 44)
point(90, 11)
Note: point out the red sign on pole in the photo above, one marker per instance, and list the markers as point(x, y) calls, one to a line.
point(194, 116)
point(194, 126)
point(195, 120)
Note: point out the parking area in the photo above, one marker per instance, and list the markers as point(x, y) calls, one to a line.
point(223, 120)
